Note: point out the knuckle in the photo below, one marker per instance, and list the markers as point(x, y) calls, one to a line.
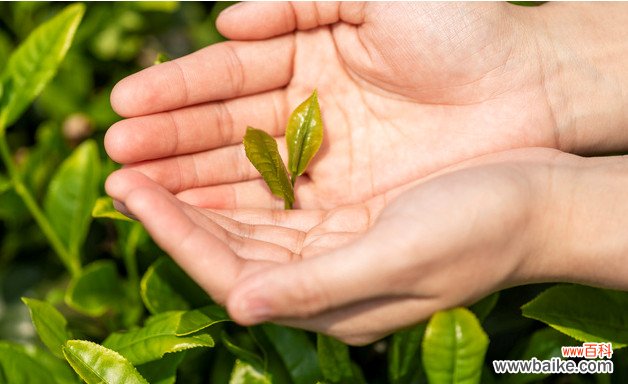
point(235, 71)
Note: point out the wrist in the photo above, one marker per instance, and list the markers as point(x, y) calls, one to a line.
point(583, 53)
point(586, 217)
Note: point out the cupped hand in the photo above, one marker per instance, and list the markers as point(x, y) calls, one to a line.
point(361, 271)
point(405, 89)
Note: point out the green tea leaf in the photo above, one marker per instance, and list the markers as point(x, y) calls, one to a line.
point(35, 62)
point(296, 351)
point(20, 364)
point(155, 339)
point(334, 360)
point(304, 135)
point(201, 318)
point(245, 373)
point(49, 323)
point(165, 287)
point(584, 313)
point(72, 193)
point(261, 149)
point(162, 371)
point(99, 365)
point(404, 353)
point(96, 290)
point(454, 345)
point(104, 208)
point(543, 344)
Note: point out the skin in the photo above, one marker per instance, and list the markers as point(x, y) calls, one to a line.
point(419, 185)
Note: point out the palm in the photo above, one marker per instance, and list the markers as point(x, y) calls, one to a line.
point(401, 98)
point(394, 115)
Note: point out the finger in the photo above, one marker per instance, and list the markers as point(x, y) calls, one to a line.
point(219, 166)
point(367, 321)
point(253, 194)
point(259, 235)
point(254, 20)
point(303, 289)
point(196, 128)
point(251, 242)
point(221, 71)
point(197, 251)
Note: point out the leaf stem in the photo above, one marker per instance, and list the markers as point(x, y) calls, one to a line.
point(37, 213)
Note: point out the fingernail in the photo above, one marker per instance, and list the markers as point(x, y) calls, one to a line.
point(256, 310)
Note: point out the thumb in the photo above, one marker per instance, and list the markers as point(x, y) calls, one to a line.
point(260, 20)
point(308, 287)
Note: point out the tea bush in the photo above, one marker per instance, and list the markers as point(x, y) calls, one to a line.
point(85, 293)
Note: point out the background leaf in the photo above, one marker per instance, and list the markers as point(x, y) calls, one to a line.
point(584, 313)
point(162, 371)
point(165, 287)
point(454, 345)
point(334, 360)
point(27, 365)
point(49, 323)
point(261, 149)
point(37, 59)
point(155, 339)
point(404, 353)
point(482, 308)
point(99, 365)
point(71, 195)
point(245, 373)
point(242, 353)
point(96, 290)
point(304, 135)
point(543, 344)
point(296, 351)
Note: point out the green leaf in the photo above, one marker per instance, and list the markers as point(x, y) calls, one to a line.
point(49, 323)
point(97, 290)
point(304, 135)
point(162, 371)
point(71, 195)
point(99, 365)
point(334, 360)
point(20, 364)
point(155, 339)
point(261, 149)
point(482, 308)
point(35, 62)
point(165, 287)
point(404, 353)
point(454, 345)
point(543, 344)
point(241, 353)
point(584, 313)
point(245, 373)
point(201, 318)
point(104, 208)
point(296, 351)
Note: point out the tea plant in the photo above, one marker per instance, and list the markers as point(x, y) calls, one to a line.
point(120, 311)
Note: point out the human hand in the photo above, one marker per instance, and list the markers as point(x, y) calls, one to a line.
point(406, 89)
point(362, 271)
